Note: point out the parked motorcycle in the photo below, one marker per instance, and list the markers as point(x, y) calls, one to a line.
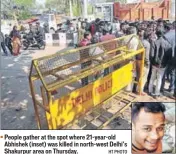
point(35, 41)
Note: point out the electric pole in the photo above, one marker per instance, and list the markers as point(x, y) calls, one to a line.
point(71, 12)
point(85, 8)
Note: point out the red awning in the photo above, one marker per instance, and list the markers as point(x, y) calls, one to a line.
point(31, 20)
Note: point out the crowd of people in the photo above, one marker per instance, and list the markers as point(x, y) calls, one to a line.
point(158, 39)
point(12, 42)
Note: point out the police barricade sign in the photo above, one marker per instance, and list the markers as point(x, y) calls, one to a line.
point(67, 108)
point(63, 99)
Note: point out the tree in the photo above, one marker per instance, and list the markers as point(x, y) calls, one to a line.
point(121, 1)
point(59, 5)
point(17, 9)
point(63, 6)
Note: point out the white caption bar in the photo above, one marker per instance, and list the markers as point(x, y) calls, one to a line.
point(65, 142)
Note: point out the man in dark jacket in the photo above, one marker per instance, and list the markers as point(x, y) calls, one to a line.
point(171, 69)
point(159, 60)
point(8, 43)
point(3, 43)
point(39, 31)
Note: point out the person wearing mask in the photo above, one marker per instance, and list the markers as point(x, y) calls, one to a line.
point(85, 54)
point(16, 41)
point(3, 44)
point(159, 61)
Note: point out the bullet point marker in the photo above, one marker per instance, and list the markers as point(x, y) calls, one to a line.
point(1, 136)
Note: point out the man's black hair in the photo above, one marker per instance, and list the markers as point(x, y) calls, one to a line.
point(139, 30)
point(159, 33)
point(154, 107)
point(87, 33)
point(146, 35)
point(168, 26)
point(131, 30)
point(122, 24)
point(160, 20)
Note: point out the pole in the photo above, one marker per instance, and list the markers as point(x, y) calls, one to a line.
point(85, 8)
point(71, 12)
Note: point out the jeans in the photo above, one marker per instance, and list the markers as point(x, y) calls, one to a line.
point(85, 80)
point(157, 74)
point(4, 48)
point(9, 46)
point(172, 71)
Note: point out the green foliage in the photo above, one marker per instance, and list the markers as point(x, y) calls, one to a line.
point(25, 3)
point(24, 15)
point(121, 1)
point(89, 9)
point(59, 5)
point(76, 10)
point(21, 10)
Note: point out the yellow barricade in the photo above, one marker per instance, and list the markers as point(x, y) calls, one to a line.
point(57, 79)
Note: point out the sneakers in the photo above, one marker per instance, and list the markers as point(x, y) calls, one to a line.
point(155, 96)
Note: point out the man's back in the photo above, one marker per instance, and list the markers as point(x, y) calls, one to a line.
point(170, 36)
point(160, 52)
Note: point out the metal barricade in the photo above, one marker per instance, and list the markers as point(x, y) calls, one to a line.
point(57, 81)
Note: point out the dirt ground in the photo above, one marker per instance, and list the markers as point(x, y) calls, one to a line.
point(17, 111)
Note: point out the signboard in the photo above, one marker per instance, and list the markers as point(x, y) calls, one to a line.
point(67, 108)
point(104, 11)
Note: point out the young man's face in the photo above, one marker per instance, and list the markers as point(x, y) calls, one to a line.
point(89, 37)
point(148, 130)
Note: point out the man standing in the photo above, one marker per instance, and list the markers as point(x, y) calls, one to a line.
point(144, 36)
point(148, 121)
point(170, 37)
point(8, 43)
point(159, 60)
point(3, 43)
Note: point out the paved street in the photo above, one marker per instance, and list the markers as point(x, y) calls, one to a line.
point(17, 111)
